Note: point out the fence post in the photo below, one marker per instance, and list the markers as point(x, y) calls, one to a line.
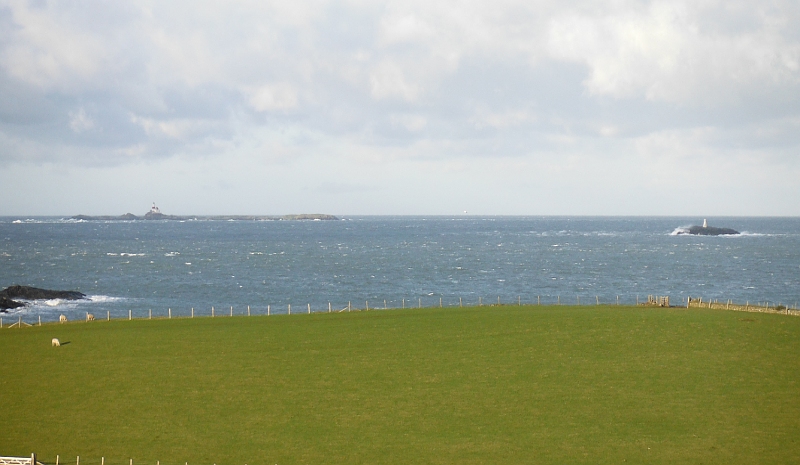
point(309, 309)
point(538, 300)
point(40, 324)
point(519, 300)
point(498, 300)
point(348, 305)
point(192, 312)
point(367, 304)
point(420, 302)
point(480, 301)
point(212, 311)
point(267, 310)
point(597, 299)
point(404, 303)
point(108, 315)
point(558, 301)
point(290, 309)
point(460, 303)
point(150, 314)
point(57, 459)
point(129, 314)
point(248, 310)
point(231, 310)
point(169, 310)
point(329, 307)
point(384, 304)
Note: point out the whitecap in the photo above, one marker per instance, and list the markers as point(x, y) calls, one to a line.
point(680, 230)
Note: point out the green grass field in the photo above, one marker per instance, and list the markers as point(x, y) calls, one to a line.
point(475, 385)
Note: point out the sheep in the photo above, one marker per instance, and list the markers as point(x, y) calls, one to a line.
point(89, 317)
point(62, 318)
point(56, 342)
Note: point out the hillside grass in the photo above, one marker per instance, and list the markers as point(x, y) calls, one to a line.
point(482, 385)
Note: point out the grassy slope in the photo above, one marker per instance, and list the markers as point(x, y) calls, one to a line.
point(478, 385)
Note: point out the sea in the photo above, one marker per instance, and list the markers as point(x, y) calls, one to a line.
point(140, 268)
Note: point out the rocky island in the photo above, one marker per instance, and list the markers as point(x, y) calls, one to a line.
point(33, 293)
point(155, 214)
point(707, 230)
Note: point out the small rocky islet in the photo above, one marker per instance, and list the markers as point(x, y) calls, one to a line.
point(706, 230)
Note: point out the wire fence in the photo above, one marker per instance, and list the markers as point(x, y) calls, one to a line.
point(21, 321)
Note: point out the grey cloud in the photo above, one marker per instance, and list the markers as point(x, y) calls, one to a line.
point(111, 83)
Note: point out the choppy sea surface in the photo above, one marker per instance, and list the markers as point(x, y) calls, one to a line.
point(161, 266)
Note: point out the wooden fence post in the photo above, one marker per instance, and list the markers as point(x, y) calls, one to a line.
point(309, 309)
point(192, 312)
point(169, 310)
point(440, 302)
point(329, 307)
point(290, 309)
point(248, 310)
point(212, 311)
point(231, 310)
point(460, 303)
point(129, 314)
point(150, 314)
point(267, 310)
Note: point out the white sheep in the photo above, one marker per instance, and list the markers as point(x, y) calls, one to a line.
point(62, 318)
point(56, 342)
point(89, 317)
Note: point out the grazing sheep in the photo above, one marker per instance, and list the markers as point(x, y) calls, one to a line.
point(62, 318)
point(89, 317)
point(56, 342)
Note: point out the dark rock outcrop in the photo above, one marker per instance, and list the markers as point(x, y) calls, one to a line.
point(709, 231)
point(6, 303)
point(33, 293)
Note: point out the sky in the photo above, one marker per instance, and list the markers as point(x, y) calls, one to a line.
point(499, 107)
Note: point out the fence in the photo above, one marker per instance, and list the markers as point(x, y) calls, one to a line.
point(19, 460)
point(229, 311)
point(759, 307)
point(58, 461)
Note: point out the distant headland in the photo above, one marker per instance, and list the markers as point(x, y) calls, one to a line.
point(155, 214)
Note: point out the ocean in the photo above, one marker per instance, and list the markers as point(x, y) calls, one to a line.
point(157, 267)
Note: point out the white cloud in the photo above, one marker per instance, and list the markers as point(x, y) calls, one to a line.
point(551, 86)
point(273, 97)
point(79, 121)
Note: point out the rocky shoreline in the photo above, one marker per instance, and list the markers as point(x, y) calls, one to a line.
point(10, 293)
